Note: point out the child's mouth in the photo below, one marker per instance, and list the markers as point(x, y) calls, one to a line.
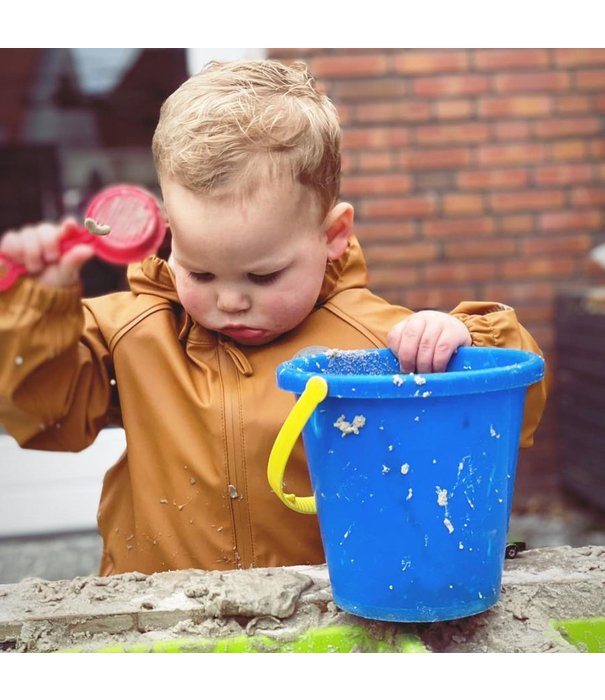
point(243, 333)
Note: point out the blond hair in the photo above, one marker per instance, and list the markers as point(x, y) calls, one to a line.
point(234, 125)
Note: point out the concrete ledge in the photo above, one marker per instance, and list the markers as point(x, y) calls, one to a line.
point(282, 605)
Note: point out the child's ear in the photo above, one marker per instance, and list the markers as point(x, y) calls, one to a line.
point(338, 226)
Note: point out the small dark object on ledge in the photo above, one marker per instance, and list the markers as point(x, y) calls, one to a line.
point(513, 548)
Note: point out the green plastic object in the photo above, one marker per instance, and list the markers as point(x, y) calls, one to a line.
point(586, 634)
point(319, 640)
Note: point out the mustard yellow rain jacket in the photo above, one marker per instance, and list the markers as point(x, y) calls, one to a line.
point(199, 411)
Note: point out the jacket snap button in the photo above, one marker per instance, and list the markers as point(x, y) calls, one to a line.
point(233, 491)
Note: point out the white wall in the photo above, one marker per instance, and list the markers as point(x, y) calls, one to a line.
point(43, 492)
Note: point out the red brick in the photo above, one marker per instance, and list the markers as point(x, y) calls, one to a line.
point(600, 171)
point(566, 127)
point(518, 224)
point(568, 150)
point(544, 335)
point(532, 312)
point(360, 185)
point(417, 62)
point(514, 292)
point(590, 80)
point(446, 228)
point(454, 109)
point(532, 82)
point(511, 131)
point(381, 231)
point(375, 138)
point(463, 204)
point(571, 221)
point(458, 85)
point(523, 106)
point(597, 149)
point(392, 276)
point(374, 89)
point(460, 272)
point(580, 57)
point(375, 160)
point(513, 154)
point(408, 253)
point(588, 197)
point(562, 174)
point(452, 134)
point(435, 159)
point(378, 112)
point(443, 299)
point(600, 103)
point(493, 179)
point(480, 249)
point(573, 104)
point(576, 243)
point(347, 163)
point(434, 180)
point(533, 199)
point(344, 66)
point(390, 208)
point(345, 115)
point(501, 59)
point(538, 267)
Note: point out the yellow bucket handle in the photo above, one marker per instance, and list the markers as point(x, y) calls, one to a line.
point(314, 393)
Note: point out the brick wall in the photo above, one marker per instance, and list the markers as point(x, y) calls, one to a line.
point(18, 68)
point(475, 174)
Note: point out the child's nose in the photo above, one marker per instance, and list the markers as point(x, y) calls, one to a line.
point(232, 301)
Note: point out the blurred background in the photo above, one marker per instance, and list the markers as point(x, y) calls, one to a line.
point(475, 174)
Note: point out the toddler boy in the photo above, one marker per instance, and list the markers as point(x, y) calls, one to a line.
point(263, 264)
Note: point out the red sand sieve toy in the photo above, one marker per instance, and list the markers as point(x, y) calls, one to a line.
point(123, 223)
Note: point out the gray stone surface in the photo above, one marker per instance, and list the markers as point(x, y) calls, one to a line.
point(91, 613)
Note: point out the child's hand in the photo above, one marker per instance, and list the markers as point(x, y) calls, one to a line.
point(37, 247)
point(425, 341)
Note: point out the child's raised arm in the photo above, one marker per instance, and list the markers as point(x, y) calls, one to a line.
point(54, 385)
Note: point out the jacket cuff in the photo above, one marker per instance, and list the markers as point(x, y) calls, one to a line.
point(489, 323)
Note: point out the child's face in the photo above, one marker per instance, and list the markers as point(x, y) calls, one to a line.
point(250, 270)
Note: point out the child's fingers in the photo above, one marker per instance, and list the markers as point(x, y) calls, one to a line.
point(405, 340)
point(10, 244)
point(38, 248)
point(32, 250)
point(33, 246)
point(49, 236)
point(67, 270)
point(431, 346)
point(426, 341)
point(445, 347)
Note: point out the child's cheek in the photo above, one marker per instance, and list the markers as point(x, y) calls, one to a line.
point(193, 298)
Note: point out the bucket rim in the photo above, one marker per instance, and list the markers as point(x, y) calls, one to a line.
point(522, 368)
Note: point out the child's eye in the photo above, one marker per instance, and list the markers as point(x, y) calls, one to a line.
point(264, 279)
point(201, 276)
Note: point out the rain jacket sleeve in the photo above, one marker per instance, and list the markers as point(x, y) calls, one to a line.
point(54, 381)
point(496, 325)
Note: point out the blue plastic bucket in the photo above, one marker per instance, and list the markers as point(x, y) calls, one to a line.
point(413, 476)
